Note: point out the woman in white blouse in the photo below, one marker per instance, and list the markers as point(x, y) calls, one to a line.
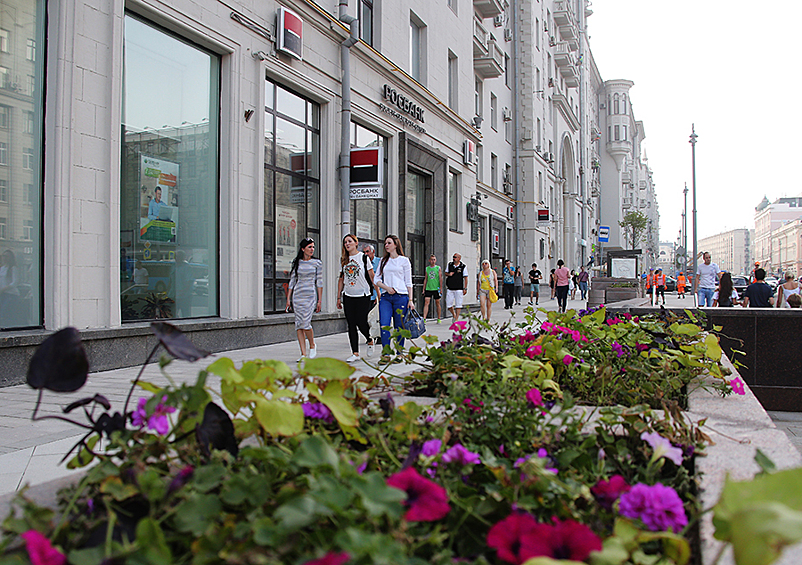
point(395, 278)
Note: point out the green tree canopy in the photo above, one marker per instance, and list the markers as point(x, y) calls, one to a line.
point(634, 224)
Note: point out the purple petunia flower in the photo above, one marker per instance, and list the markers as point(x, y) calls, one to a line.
point(318, 411)
point(662, 447)
point(658, 507)
point(431, 447)
point(157, 421)
point(458, 454)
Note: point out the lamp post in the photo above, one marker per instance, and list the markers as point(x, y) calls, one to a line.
point(692, 141)
point(684, 240)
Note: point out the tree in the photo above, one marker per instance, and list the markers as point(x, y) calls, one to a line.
point(634, 224)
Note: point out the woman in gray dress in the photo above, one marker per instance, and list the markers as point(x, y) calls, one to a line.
point(306, 291)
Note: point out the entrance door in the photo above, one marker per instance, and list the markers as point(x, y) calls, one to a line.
point(417, 194)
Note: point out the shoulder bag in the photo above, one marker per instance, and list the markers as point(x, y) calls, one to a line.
point(415, 323)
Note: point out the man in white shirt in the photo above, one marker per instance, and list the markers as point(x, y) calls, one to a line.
point(706, 280)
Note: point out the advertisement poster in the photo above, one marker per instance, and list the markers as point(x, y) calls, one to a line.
point(158, 200)
point(623, 267)
point(286, 238)
point(363, 230)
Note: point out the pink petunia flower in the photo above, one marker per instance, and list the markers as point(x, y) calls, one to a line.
point(534, 397)
point(607, 492)
point(568, 359)
point(737, 385)
point(534, 351)
point(426, 501)
point(331, 558)
point(519, 537)
point(157, 421)
point(662, 447)
point(431, 447)
point(458, 326)
point(40, 550)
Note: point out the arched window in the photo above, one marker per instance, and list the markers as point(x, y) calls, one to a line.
point(623, 103)
point(616, 104)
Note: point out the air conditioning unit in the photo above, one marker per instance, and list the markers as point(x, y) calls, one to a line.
point(552, 41)
point(551, 82)
point(508, 34)
point(507, 113)
point(511, 212)
point(498, 21)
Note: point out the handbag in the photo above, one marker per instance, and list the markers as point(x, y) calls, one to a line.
point(415, 323)
point(492, 295)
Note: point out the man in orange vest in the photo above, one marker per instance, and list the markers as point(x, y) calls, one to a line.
point(650, 281)
point(660, 284)
point(681, 281)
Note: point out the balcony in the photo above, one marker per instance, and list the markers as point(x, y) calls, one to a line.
point(480, 37)
point(562, 55)
point(488, 8)
point(571, 75)
point(565, 19)
point(492, 64)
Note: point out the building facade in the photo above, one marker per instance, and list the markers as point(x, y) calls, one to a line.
point(165, 160)
point(770, 217)
point(730, 250)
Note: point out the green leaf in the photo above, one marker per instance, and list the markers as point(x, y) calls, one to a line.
point(225, 369)
point(550, 561)
point(197, 513)
point(327, 368)
point(279, 418)
point(316, 452)
point(208, 477)
point(713, 350)
point(684, 329)
point(613, 552)
point(378, 498)
point(331, 493)
point(151, 541)
point(300, 512)
point(334, 400)
point(766, 465)
point(114, 487)
point(149, 387)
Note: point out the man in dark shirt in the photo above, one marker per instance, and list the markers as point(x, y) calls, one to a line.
point(759, 294)
point(456, 285)
point(534, 281)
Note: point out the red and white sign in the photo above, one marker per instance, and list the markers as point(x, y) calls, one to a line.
point(367, 173)
point(543, 215)
point(290, 29)
point(468, 152)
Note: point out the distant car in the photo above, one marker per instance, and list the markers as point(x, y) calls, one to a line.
point(772, 282)
point(740, 284)
point(671, 284)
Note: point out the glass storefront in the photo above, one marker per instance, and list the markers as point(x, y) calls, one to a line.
point(169, 176)
point(22, 41)
point(369, 216)
point(292, 186)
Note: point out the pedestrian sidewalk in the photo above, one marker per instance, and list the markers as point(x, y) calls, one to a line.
point(30, 451)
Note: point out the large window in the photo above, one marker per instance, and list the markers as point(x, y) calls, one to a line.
point(169, 176)
point(21, 112)
point(369, 216)
point(292, 186)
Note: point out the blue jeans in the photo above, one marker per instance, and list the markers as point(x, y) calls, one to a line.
point(583, 287)
point(706, 296)
point(392, 306)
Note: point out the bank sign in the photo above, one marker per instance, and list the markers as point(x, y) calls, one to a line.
point(406, 107)
point(367, 173)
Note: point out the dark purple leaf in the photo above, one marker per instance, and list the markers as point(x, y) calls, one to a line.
point(99, 398)
point(216, 431)
point(176, 342)
point(107, 424)
point(387, 405)
point(60, 363)
point(415, 449)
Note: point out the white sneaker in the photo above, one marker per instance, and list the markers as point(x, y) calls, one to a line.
point(371, 349)
point(352, 358)
point(301, 358)
point(312, 353)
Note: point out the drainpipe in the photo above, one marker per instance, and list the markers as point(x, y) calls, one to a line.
point(515, 150)
point(345, 124)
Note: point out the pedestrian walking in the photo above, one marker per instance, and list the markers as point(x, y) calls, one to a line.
point(725, 294)
point(552, 286)
point(659, 285)
point(786, 290)
point(456, 285)
point(488, 280)
point(583, 277)
point(508, 278)
point(534, 284)
point(305, 294)
point(562, 279)
point(354, 289)
point(395, 278)
point(759, 294)
point(431, 290)
point(573, 284)
point(373, 315)
point(681, 283)
point(704, 283)
point(519, 285)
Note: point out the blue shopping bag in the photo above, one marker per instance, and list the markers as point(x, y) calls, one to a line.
point(415, 323)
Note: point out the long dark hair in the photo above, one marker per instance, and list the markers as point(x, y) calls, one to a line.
point(300, 255)
point(386, 257)
point(725, 288)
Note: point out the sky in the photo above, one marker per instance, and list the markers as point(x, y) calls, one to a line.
point(730, 68)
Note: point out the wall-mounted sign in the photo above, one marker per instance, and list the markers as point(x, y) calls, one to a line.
point(290, 28)
point(496, 241)
point(402, 103)
point(468, 152)
point(542, 215)
point(367, 173)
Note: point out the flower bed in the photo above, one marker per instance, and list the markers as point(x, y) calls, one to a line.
point(306, 468)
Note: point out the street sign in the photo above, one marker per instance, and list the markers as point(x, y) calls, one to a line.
point(604, 234)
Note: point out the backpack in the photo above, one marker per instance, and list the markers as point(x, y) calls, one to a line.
point(367, 278)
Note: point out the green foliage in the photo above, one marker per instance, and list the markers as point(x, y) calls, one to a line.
point(634, 224)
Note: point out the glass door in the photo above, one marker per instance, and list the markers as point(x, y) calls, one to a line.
point(416, 195)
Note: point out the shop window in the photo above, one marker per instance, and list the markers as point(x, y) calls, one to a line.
point(292, 186)
point(169, 177)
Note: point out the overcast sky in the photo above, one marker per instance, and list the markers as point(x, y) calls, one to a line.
point(732, 68)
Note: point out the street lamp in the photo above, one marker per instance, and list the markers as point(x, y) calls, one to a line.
point(684, 240)
point(692, 141)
